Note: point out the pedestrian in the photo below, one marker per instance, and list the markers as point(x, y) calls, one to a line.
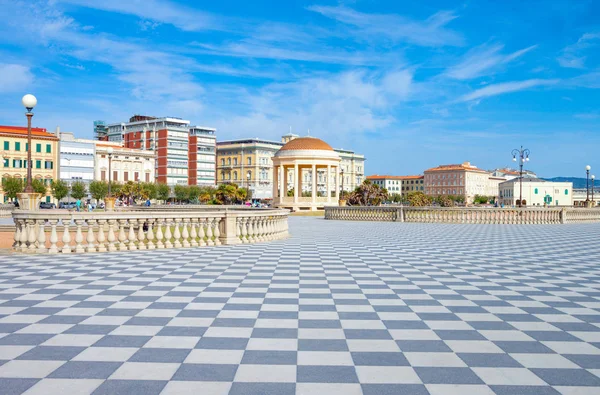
point(148, 203)
point(78, 204)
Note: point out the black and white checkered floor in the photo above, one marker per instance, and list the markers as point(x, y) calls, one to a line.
point(339, 308)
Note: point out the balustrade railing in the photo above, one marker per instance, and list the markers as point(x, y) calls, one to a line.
point(465, 215)
point(54, 231)
point(6, 210)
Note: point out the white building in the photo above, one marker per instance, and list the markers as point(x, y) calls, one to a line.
point(126, 164)
point(536, 192)
point(508, 173)
point(76, 161)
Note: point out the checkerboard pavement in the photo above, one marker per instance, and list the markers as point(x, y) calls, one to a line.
point(339, 308)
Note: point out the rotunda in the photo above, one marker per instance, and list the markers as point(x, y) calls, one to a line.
point(306, 175)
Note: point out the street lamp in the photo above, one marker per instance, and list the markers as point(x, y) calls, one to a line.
point(587, 183)
point(342, 175)
point(109, 150)
point(523, 155)
point(29, 101)
point(593, 178)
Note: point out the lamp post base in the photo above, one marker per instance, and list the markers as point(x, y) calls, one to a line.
point(109, 203)
point(29, 201)
point(589, 204)
point(342, 202)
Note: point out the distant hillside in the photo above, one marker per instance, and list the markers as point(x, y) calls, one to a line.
point(578, 182)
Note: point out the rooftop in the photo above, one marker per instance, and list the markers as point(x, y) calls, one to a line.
point(306, 143)
point(465, 166)
point(21, 131)
point(388, 177)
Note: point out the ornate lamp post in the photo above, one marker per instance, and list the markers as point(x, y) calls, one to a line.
point(29, 101)
point(523, 155)
point(587, 184)
point(109, 150)
point(593, 178)
point(248, 176)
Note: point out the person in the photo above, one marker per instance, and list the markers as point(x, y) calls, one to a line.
point(78, 204)
point(148, 203)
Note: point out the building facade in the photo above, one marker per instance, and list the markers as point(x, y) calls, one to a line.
point(536, 192)
point(76, 158)
point(126, 164)
point(460, 180)
point(509, 174)
point(249, 163)
point(580, 195)
point(398, 184)
point(184, 154)
point(44, 156)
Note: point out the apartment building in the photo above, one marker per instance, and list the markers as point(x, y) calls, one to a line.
point(536, 192)
point(127, 164)
point(398, 184)
point(247, 162)
point(76, 158)
point(184, 154)
point(44, 156)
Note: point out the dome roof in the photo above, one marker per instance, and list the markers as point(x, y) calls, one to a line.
point(306, 143)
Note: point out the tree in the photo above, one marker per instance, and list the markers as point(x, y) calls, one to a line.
point(12, 186)
point(99, 189)
point(481, 199)
point(445, 201)
point(418, 199)
point(115, 188)
point(182, 192)
point(78, 190)
point(163, 192)
point(241, 195)
point(194, 192)
point(226, 193)
point(39, 186)
point(129, 190)
point(368, 194)
point(60, 189)
point(148, 190)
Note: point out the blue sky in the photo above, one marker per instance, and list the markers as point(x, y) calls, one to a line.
point(411, 84)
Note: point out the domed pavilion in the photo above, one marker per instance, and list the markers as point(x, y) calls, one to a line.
point(306, 173)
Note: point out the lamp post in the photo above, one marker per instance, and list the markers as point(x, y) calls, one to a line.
point(248, 176)
point(523, 155)
point(342, 175)
point(29, 101)
point(593, 178)
point(587, 184)
point(109, 150)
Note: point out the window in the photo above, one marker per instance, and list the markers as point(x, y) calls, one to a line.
point(48, 164)
point(6, 162)
point(48, 148)
point(228, 161)
point(235, 161)
point(6, 145)
point(38, 164)
point(103, 175)
point(249, 161)
point(566, 191)
point(136, 176)
point(38, 148)
point(147, 177)
point(222, 162)
point(126, 176)
point(17, 163)
point(17, 146)
point(535, 191)
point(235, 175)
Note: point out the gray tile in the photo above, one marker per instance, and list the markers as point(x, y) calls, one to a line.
point(269, 357)
point(523, 390)
point(223, 343)
point(367, 334)
point(122, 341)
point(558, 336)
point(585, 361)
point(175, 355)
point(14, 386)
point(394, 389)
point(182, 331)
point(64, 319)
point(148, 321)
point(91, 329)
point(405, 324)
point(51, 353)
point(130, 387)
point(319, 324)
point(322, 345)
point(263, 389)
point(326, 374)
point(199, 313)
point(568, 377)
point(423, 346)
point(18, 339)
point(275, 333)
point(234, 322)
point(491, 360)
point(459, 335)
point(85, 370)
point(205, 372)
point(529, 347)
point(10, 328)
point(442, 375)
point(379, 359)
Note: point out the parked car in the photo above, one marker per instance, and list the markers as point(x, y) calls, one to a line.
point(67, 205)
point(47, 205)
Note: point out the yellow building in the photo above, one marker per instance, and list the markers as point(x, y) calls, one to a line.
point(44, 156)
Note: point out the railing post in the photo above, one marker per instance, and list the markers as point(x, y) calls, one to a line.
point(563, 216)
point(230, 230)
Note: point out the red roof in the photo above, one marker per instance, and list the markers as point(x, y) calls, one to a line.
point(378, 177)
point(22, 131)
point(467, 166)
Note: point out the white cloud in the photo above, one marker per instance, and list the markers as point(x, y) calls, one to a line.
point(430, 33)
point(505, 87)
point(572, 56)
point(14, 77)
point(483, 60)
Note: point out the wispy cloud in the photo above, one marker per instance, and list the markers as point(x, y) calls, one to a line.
point(573, 56)
point(14, 77)
point(505, 87)
point(431, 32)
point(484, 60)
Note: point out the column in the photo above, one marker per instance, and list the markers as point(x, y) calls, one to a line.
point(314, 180)
point(327, 184)
point(275, 179)
point(282, 183)
point(297, 183)
point(337, 182)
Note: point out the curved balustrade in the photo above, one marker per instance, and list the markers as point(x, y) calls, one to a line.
point(465, 215)
point(6, 210)
point(54, 231)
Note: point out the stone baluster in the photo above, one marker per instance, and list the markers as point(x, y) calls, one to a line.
point(261, 229)
point(217, 230)
point(177, 234)
point(201, 232)
point(193, 232)
point(159, 234)
point(17, 236)
point(122, 236)
point(185, 234)
point(66, 239)
point(79, 248)
point(41, 238)
point(32, 236)
point(209, 233)
point(111, 235)
point(101, 238)
point(150, 235)
point(269, 228)
point(141, 235)
point(91, 246)
point(53, 237)
point(24, 236)
point(131, 235)
point(252, 230)
point(244, 229)
point(168, 234)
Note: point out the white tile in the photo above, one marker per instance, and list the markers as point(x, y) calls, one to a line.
point(508, 376)
point(205, 356)
point(266, 373)
point(64, 386)
point(145, 371)
point(29, 369)
point(196, 388)
point(106, 354)
point(325, 358)
point(72, 340)
point(387, 375)
point(327, 388)
point(372, 345)
point(550, 361)
point(188, 342)
point(272, 344)
point(445, 359)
